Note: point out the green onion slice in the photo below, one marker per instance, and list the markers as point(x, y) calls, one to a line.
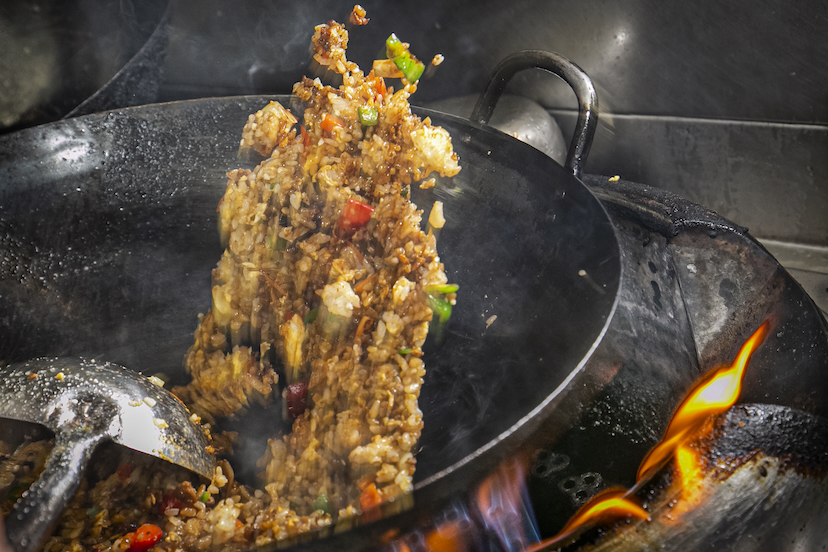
point(442, 288)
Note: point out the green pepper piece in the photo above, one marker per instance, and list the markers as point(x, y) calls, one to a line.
point(411, 67)
point(368, 115)
point(311, 316)
point(322, 503)
point(406, 351)
point(205, 497)
point(393, 47)
point(281, 244)
point(441, 307)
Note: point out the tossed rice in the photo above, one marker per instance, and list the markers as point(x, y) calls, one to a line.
point(323, 289)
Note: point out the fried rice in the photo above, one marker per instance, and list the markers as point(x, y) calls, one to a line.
point(321, 302)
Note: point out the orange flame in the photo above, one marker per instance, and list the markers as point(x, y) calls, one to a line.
point(612, 503)
point(714, 394)
point(688, 465)
point(690, 472)
point(448, 537)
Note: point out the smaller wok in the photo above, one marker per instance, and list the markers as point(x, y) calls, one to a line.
point(108, 236)
point(60, 58)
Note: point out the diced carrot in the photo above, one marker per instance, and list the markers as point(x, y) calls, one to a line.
point(370, 497)
point(330, 122)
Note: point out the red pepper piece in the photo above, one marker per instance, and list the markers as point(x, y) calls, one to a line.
point(145, 537)
point(297, 398)
point(170, 501)
point(124, 471)
point(355, 215)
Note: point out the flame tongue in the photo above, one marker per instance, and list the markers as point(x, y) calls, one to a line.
point(713, 395)
point(498, 498)
point(608, 503)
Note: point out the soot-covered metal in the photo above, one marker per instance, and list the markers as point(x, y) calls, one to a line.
point(694, 287)
point(763, 487)
point(712, 284)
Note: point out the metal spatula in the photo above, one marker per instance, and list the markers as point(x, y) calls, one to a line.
point(86, 403)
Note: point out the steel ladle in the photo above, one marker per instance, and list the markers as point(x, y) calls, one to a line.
point(86, 403)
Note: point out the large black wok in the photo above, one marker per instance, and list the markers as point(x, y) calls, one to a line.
point(108, 236)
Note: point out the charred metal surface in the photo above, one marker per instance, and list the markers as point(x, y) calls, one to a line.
point(648, 358)
point(695, 286)
point(725, 282)
point(730, 284)
point(789, 369)
point(799, 440)
point(763, 489)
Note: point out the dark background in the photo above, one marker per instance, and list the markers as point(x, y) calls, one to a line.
point(724, 103)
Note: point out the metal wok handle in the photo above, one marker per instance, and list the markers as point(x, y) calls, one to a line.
point(565, 69)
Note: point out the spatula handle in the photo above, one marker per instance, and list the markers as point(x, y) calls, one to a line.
point(36, 513)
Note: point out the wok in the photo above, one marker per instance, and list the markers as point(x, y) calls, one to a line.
point(108, 236)
point(65, 58)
